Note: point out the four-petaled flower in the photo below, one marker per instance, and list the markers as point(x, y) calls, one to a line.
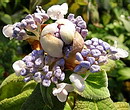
point(62, 91)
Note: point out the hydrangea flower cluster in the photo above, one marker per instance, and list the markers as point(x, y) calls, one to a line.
point(80, 24)
point(95, 53)
point(59, 46)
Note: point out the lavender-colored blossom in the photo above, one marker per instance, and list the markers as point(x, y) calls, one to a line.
point(85, 64)
point(54, 79)
point(85, 52)
point(80, 24)
point(23, 72)
point(49, 74)
point(94, 68)
point(79, 56)
point(77, 68)
point(88, 42)
point(105, 45)
point(91, 59)
point(37, 76)
point(45, 69)
point(26, 79)
point(95, 52)
point(46, 82)
point(62, 76)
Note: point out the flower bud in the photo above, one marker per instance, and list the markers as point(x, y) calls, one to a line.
point(18, 66)
point(8, 31)
point(52, 45)
point(67, 30)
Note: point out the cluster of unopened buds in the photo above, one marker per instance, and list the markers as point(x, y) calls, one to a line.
point(58, 47)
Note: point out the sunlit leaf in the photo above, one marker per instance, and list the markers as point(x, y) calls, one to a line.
point(106, 17)
point(13, 92)
point(126, 24)
point(14, 103)
point(74, 7)
point(109, 66)
point(122, 106)
point(96, 86)
point(124, 73)
point(85, 104)
point(8, 86)
point(82, 2)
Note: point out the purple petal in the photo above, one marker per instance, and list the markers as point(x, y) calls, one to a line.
point(79, 57)
point(95, 52)
point(94, 68)
point(77, 68)
point(85, 64)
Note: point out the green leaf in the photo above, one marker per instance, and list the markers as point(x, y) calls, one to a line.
point(106, 17)
point(46, 94)
point(85, 104)
point(50, 100)
point(6, 19)
point(122, 106)
point(74, 7)
point(35, 101)
point(81, 2)
point(8, 86)
point(94, 14)
point(96, 86)
point(126, 24)
point(14, 103)
point(124, 73)
point(67, 106)
point(14, 91)
point(109, 66)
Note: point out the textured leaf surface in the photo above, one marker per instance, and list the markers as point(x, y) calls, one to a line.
point(36, 101)
point(84, 104)
point(11, 86)
point(109, 66)
point(96, 86)
point(14, 103)
point(122, 106)
point(14, 91)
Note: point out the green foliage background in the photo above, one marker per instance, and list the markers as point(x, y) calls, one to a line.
point(106, 19)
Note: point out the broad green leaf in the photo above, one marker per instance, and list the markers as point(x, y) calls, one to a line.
point(74, 7)
point(106, 17)
point(67, 107)
point(46, 94)
point(85, 104)
point(122, 106)
point(96, 86)
point(50, 100)
point(124, 73)
point(70, 101)
point(14, 103)
point(9, 85)
point(82, 2)
point(109, 66)
point(126, 24)
point(30, 85)
point(6, 19)
point(94, 15)
point(35, 101)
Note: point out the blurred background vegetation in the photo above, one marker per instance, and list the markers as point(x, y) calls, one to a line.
point(106, 19)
